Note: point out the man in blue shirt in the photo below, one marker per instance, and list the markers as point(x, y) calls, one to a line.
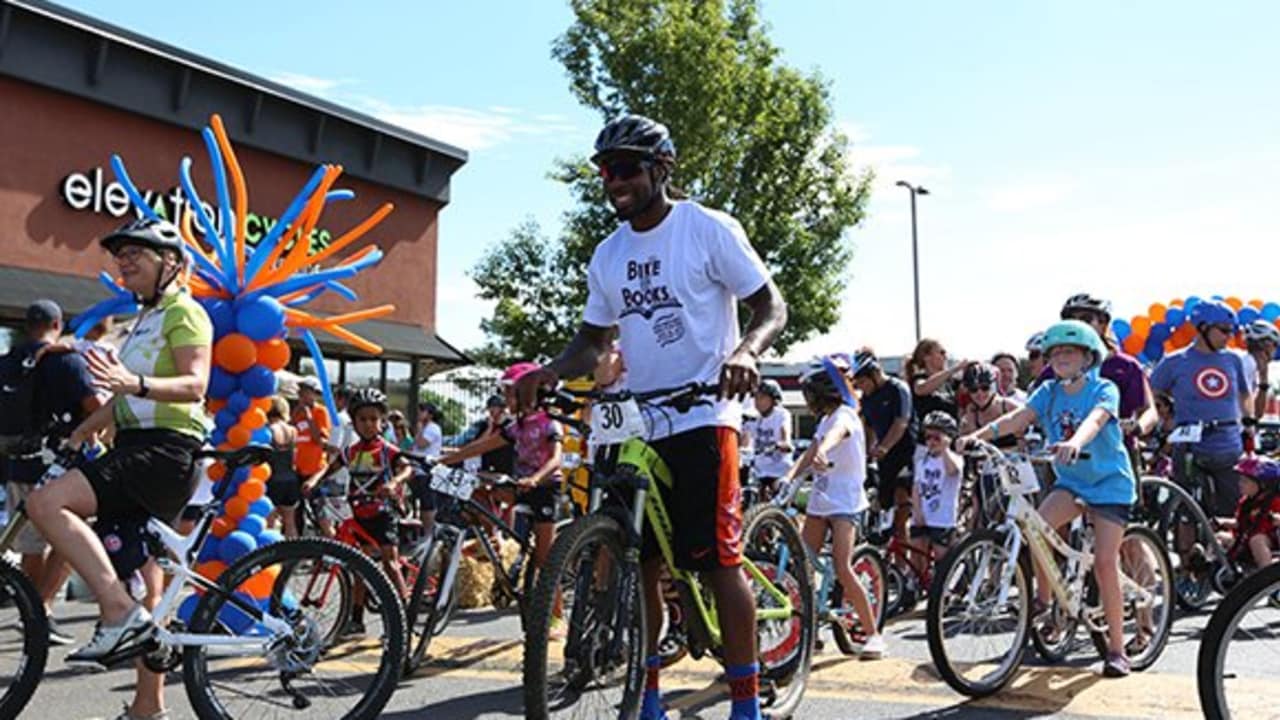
point(1209, 388)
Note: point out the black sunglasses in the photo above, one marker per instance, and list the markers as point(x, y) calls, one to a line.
point(623, 169)
point(1083, 316)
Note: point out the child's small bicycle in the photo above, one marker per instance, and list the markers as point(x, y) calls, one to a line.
point(980, 603)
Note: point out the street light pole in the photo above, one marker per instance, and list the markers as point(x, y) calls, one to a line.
point(915, 253)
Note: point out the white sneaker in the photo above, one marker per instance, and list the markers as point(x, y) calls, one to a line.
point(874, 648)
point(110, 639)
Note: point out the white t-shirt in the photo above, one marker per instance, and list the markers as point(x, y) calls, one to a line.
point(673, 291)
point(431, 440)
point(939, 493)
point(838, 491)
point(765, 432)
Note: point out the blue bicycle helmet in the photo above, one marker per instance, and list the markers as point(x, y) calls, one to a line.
point(1214, 312)
point(1077, 334)
point(864, 361)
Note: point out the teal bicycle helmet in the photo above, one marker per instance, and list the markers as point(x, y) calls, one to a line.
point(1078, 334)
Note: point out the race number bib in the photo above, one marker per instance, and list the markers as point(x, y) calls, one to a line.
point(613, 423)
point(454, 483)
point(1025, 479)
point(1187, 433)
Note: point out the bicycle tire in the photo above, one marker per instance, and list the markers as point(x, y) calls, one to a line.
point(424, 602)
point(1223, 627)
point(1192, 589)
point(939, 594)
point(872, 565)
point(787, 676)
point(35, 639)
point(582, 535)
point(1164, 622)
point(896, 591)
point(200, 683)
point(324, 574)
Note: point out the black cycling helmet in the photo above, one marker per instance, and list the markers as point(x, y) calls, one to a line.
point(367, 397)
point(1085, 301)
point(817, 383)
point(159, 235)
point(942, 422)
point(638, 134)
point(772, 389)
point(864, 363)
point(979, 374)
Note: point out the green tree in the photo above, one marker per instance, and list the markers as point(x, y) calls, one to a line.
point(453, 414)
point(755, 138)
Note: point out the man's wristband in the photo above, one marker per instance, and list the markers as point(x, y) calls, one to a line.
point(1249, 422)
point(143, 390)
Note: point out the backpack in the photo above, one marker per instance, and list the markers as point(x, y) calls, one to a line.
point(20, 430)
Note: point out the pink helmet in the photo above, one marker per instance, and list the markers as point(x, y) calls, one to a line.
point(513, 374)
point(1264, 470)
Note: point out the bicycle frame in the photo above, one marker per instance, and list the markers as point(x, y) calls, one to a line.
point(455, 556)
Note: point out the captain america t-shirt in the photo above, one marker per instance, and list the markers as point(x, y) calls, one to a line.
point(673, 291)
point(1206, 387)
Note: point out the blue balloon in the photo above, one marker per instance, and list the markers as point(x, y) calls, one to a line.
point(218, 437)
point(1191, 302)
point(210, 550)
point(1175, 317)
point(222, 383)
point(260, 318)
point(1271, 311)
point(236, 545)
point(188, 608)
point(238, 402)
point(222, 315)
point(258, 381)
point(253, 525)
point(266, 537)
point(236, 620)
point(289, 600)
point(1160, 332)
point(1154, 349)
point(261, 507)
point(1248, 315)
point(225, 419)
point(261, 436)
point(240, 475)
point(1121, 329)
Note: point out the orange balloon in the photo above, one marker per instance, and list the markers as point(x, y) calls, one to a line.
point(213, 405)
point(1156, 313)
point(251, 490)
point(1184, 335)
point(262, 403)
point(239, 435)
point(222, 527)
point(260, 472)
point(211, 569)
point(1133, 344)
point(217, 471)
point(1235, 303)
point(237, 508)
point(1176, 302)
point(259, 586)
point(226, 447)
point(235, 353)
point(1236, 342)
point(1256, 304)
point(253, 418)
point(1140, 325)
point(274, 353)
point(1170, 345)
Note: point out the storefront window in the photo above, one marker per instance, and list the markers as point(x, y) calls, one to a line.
point(364, 373)
point(308, 367)
point(398, 390)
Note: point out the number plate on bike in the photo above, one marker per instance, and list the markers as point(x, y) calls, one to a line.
point(613, 423)
point(1025, 479)
point(454, 483)
point(1187, 433)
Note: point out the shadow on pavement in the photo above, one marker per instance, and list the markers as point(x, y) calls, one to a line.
point(509, 701)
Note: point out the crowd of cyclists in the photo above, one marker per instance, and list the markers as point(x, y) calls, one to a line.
point(662, 310)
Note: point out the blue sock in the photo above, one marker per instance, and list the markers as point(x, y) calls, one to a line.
point(651, 706)
point(744, 691)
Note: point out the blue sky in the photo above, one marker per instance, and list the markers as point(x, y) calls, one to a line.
point(1128, 149)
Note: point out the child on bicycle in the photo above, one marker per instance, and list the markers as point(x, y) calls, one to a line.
point(378, 475)
point(837, 459)
point(1251, 536)
point(937, 484)
point(1078, 410)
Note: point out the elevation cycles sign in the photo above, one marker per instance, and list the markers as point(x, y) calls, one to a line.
point(90, 191)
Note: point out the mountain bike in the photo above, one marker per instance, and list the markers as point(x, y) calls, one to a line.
point(1237, 666)
point(593, 577)
point(273, 650)
point(980, 603)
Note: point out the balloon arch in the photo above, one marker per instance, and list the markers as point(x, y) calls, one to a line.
point(1166, 326)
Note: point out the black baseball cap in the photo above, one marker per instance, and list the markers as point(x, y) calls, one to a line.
point(42, 313)
point(495, 401)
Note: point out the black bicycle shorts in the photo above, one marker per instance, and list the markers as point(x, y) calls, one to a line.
point(541, 501)
point(704, 500)
point(383, 527)
point(148, 471)
point(285, 491)
point(895, 473)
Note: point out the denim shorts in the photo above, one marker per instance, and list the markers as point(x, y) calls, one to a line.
point(853, 518)
point(1115, 512)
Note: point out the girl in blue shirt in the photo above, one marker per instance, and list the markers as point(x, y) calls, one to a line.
point(1079, 411)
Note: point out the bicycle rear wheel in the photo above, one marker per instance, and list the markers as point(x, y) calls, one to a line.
point(24, 640)
point(1144, 560)
point(1238, 668)
point(976, 639)
point(351, 680)
point(869, 569)
point(1181, 525)
point(585, 628)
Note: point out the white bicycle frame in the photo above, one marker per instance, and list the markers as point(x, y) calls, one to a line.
point(1024, 524)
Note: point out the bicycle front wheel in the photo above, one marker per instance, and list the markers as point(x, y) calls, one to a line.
point(295, 670)
point(1238, 669)
point(977, 625)
point(584, 647)
point(24, 640)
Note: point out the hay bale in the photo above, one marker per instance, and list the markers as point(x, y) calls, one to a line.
point(475, 572)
